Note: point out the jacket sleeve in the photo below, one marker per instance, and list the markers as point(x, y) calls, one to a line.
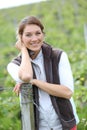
point(65, 72)
point(13, 71)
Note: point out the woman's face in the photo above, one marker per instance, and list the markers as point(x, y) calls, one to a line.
point(33, 37)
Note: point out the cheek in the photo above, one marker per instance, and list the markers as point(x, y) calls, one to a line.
point(25, 40)
point(42, 38)
point(26, 43)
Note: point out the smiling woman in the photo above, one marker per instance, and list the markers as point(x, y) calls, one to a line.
point(13, 3)
point(49, 72)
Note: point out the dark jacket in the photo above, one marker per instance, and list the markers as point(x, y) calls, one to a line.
point(62, 106)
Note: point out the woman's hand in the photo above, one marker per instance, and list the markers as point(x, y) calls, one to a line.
point(19, 45)
point(17, 88)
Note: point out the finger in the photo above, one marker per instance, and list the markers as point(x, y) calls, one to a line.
point(17, 88)
point(17, 91)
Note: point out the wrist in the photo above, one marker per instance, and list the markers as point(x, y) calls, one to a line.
point(23, 49)
point(32, 81)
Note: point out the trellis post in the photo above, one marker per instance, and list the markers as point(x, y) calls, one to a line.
point(26, 105)
point(85, 34)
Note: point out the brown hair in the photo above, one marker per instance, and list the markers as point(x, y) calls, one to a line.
point(29, 20)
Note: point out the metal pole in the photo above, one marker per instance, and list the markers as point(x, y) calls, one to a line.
point(27, 108)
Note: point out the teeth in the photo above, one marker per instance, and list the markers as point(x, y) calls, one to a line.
point(33, 43)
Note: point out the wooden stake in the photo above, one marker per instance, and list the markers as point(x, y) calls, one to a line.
point(27, 108)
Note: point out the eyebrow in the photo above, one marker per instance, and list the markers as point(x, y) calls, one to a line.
point(31, 32)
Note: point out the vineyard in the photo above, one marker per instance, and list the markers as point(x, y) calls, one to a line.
point(65, 24)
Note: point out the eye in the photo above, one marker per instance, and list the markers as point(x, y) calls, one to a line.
point(29, 35)
point(38, 33)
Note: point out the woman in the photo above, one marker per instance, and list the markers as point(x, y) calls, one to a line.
point(50, 77)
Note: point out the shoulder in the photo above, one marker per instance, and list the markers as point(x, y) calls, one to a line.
point(56, 54)
point(60, 56)
point(17, 60)
point(64, 61)
point(64, 56)
point(57, 51)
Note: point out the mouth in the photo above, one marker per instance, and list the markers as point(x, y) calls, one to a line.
point(34, 44)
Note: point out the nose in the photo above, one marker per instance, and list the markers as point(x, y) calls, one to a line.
point(34, 38)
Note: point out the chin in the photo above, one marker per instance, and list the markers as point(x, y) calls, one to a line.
point(36, 49)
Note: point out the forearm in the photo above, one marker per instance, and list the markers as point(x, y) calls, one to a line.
point(25, 69)
point(53, 89)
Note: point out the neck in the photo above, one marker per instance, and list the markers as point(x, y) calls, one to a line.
point(34, 54)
